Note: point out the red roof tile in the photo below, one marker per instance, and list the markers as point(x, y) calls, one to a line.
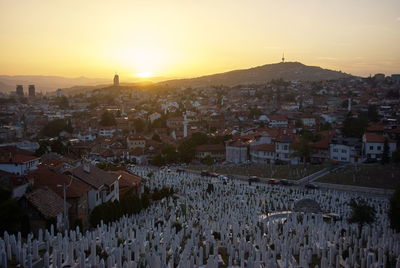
point(47, 202)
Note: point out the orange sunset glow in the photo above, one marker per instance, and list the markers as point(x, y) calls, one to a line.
point(143, 39)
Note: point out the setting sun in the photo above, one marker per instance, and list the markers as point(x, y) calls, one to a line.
point(191, 38)
point(144, 75)
point(143, 59)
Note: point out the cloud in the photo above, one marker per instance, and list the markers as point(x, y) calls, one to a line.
point(327, 58)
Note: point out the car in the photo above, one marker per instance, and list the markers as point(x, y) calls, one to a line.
point(332, 216)
point(281, 162)
point(223, 178)
point(370, 161)
point(273, 181)
point(311, 186)
point(253, 179)
point(287, 182)
point(204, 173)
point(213, 174)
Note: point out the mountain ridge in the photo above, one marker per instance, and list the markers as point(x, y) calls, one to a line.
point(261, 74)
point(254, 75)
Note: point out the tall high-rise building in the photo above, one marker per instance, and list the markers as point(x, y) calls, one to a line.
point(32, 91)
point(116, 80)
point(20, 91)
point(59, 93)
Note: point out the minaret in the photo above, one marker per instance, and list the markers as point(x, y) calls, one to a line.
point(185, 126)
point(116, 80)
point(283, 57)
point(349, 105)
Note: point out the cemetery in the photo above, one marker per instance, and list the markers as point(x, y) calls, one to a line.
point(212, 223)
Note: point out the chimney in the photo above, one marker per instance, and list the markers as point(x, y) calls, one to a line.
point(86, 167)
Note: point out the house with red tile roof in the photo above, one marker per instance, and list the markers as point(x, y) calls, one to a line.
point(215, 151)
point(128, 183)
point(277, 120)
point(43, 207)
point(136, 141)
point(76, 191)
point(104, 186)
point(320, 150)
point(262, 153)
point(373, 145)
point(17, 161)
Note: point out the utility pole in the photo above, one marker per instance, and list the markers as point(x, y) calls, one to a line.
point(65, 186)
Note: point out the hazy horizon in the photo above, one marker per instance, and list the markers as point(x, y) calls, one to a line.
point(180, 39)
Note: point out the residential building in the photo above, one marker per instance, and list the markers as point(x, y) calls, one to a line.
point(77, 192)
point(345, 150)
point(128, 183)
point(104, 186)
point(277, 121)
point(262, 153)
point(135, 141)
point(43, 207)
point(237, 152)
point(215, 151)
point(373, 146)
point(107, 131)
point(284, 151)
point(17, 161)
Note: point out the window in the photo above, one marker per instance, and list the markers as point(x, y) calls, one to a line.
point(343, 158)
point(335, 150)
point(371, 147)
point(379, 148)
point(285, 147)
point(335, 157)
point(112, 187)
point(344, 151)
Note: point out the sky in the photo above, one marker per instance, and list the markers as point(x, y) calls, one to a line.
point(187, 38)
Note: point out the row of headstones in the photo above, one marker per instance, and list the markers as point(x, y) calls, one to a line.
point(233, 230)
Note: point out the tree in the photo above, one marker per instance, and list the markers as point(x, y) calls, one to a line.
point(373, 113)
point(361, 213)
point(325, 126)
point(385, 154)
point(354, 127)
point(139, 125)
point(396, 156)
point(53, 128)
point(302, 149)
point(56, 145)
point(394, 210)
point(170, 154)
point(62, 102)
point(11, 215)
point(5, 194)
point(208, 160)
point(159, 122)
point(156, 137)
point(187, 148)
point(157, 160)
point(254, 113)
point(107, 119)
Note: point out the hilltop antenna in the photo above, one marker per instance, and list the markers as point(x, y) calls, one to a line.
point(283, 57)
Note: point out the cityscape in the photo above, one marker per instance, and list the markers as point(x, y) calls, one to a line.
point(269, 158)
